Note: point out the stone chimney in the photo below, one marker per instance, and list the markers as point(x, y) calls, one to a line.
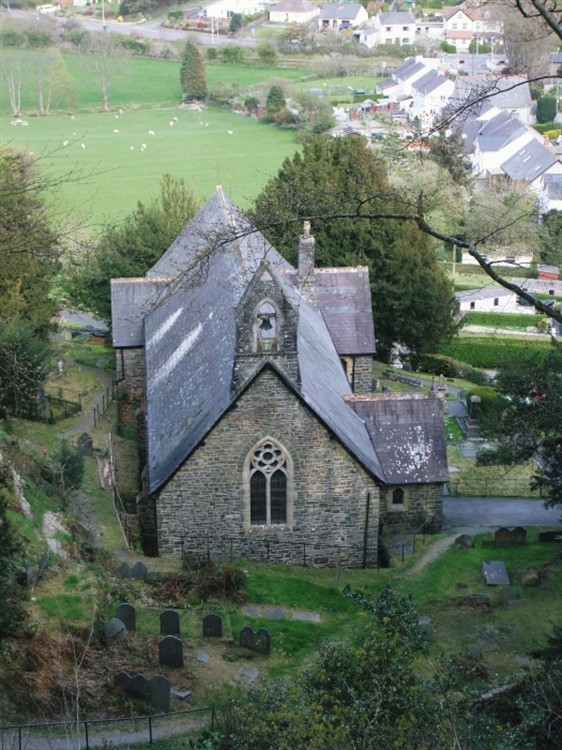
point(305, 272)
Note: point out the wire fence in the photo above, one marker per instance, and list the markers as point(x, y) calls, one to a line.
point(118, 504)
point(91, 733)
point(103, 402)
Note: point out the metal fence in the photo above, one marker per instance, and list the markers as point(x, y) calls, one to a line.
point(91, 733)
point(103, 402)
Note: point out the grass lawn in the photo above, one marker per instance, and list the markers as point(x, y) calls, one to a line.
point(510, 321)
point(112, 172)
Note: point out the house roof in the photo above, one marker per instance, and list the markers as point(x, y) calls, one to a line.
point(396, 19)
point(190, 337)
point(294, 6)
point(347, 12)
point(429, 82)
point(529, 162)
point(503, 92)
point(497, 132)
point(485, 292)
point(407, 69)
point(408, 434)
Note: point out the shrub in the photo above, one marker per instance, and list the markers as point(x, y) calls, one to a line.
point(546, 109)
point(492, 351)
point(437, 364)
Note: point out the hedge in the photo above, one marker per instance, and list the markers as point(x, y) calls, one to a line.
point(493, 351)
point(519, 321)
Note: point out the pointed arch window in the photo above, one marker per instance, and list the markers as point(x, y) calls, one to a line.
point(269, 469)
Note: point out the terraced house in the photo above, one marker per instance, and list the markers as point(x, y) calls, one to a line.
point(260, 435)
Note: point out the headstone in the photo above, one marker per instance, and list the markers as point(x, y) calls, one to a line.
point(495, 573)
point(170, 652)
point(124, 570)
point(126, 613)
point(138, 685)
point(169, 622)
point(246, 675)
point(85, 445)
point(202, 656)
point(465, 541)
point(159, 693)
point(259, 642)
point(519, 535)
point(305, 616)
point(531, 576)
point(181, 694)
point(424, 622)
point(502, 536)
point(139, 571)
point(212, 626)
point(115, 632)
point(550, 536)
point(251, 611)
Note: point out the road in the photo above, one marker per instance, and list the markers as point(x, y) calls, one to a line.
point(149, 29)
point(486, 512)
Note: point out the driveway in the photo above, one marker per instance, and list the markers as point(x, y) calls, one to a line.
point(498, 511)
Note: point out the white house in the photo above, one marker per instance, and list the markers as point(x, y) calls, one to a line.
point(463, 23)
point(337, 17)
point(430, 94)
point(508, 93)
point(493, 298)
point(396, 28)
point(228, 8)
point(293, 11)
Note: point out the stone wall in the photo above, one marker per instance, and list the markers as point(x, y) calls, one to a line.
point(363, 374)
point(421, 501)
point(130, 373)
point(207, 501)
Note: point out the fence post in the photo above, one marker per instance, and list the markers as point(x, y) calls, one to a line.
point(86, 733)
point(150, 729)
point(19, 739)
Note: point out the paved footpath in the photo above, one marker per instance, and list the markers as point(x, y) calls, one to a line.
point(488, 512)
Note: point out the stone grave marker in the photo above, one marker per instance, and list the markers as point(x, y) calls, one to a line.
point(519, 535)
point(212, 626)
point(139, 571)
point(124, 570)
point(115, 632)
point(169, 622)
point(170, 652)
point(495, 573)
point(85, 445)
point(275, 613)
point(246, 675)
point(126, 613)
point(259, 642)
point(138, 685)
point(202, 656)
point(159, 693)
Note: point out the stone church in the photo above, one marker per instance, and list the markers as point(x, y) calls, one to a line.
point(259, 433)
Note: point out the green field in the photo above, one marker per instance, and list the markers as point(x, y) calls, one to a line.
point(112, 171)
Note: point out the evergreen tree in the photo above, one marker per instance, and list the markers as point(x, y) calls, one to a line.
point(10, 607)
point(23, 368)
point(337, 182)
point(29, 245)
point(192, 73)
point(275, 103)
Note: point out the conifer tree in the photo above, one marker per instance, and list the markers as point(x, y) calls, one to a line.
point(192, 74)
point(10, 608)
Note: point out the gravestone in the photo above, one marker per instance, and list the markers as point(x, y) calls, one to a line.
point(138, 685)
point(139, 571)
point(159, 695)
point(115, 632)
point(212, 626)
point(465, 541)
point(259, 642)
point(170, 652)
point(85, 445)
point(202, 656)
point(495, 573)
point(531, 576)
point(519, 535)
point(169, 622)
point(274, 613)
point(124, 570)
point(126, 613)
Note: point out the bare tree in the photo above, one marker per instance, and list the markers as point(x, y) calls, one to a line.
point(105, 56)
point(13, 75)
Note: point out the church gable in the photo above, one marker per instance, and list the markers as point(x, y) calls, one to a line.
point(271, 473)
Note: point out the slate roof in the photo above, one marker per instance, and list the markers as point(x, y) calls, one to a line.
point(429, 82)
point(396, 18)
point(131, 299)
point(294, 6)
point(407, 69)
point(497, 132)
point(529, 162)
point(344, 297)
point(408, 434)
point(486, 292)
point(346, 12)
point(503, 92)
